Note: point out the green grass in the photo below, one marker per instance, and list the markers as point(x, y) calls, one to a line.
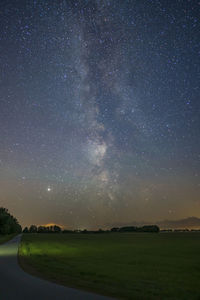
point(126, 266)
point(6, 237)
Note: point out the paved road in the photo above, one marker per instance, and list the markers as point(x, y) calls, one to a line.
point(15, 284)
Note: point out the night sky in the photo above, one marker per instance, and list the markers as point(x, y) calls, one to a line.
point(99, 111)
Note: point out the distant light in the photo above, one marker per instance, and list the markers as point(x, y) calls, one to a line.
point(49, 189)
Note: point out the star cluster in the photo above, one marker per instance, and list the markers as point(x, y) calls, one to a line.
point(99, 110)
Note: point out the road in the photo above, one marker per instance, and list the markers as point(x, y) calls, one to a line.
point(15, 284)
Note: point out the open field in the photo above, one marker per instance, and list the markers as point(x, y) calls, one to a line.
point(126, 266)
point(6, 237)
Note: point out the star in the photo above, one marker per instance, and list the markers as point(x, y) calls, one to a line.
point(99, 108)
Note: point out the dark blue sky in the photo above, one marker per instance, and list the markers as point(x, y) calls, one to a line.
point(99, 110)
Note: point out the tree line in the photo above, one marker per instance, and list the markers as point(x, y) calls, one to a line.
point(146, 228)
point(42, 229)
point(8, 223)
point(57, 229)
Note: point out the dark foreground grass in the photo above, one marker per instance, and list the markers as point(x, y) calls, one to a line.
point(6, 237)
point(127, 266)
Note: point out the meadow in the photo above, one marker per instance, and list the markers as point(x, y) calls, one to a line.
point(122, 265)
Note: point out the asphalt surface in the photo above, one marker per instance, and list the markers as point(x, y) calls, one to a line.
point(15, 284)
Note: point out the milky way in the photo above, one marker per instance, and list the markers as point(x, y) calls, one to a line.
point(99, 111)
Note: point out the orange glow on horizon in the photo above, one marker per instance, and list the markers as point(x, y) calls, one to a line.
point(52, 224)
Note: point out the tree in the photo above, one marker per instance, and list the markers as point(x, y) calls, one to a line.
point(8, 223)
point(114, 229)
point(128, 229)
point(56, 229)
point(146, 228)
point(26, 230)
point(33, 229)
point(150, 228)
point(41, 229)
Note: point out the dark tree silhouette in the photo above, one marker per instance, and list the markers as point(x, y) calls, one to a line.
point(150, 228)
point(26, 230)
point(146, 228)
point(56, 228)
point(128, 229)
point(8, 223)
point(41, 229)
point(33, 229)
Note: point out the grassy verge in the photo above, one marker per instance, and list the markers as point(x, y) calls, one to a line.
point(126, 266)
point(5, 238)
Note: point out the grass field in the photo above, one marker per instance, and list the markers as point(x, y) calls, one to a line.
point(6, 237)
point(126, 266)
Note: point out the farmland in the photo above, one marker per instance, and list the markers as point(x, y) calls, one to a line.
point(125, 266)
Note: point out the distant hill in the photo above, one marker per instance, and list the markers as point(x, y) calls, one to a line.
point(190, 223)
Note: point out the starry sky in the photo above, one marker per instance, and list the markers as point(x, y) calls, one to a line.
point(99, 111)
